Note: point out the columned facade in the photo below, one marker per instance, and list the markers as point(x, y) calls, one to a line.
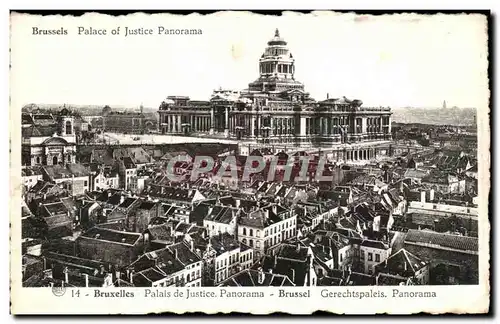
point(275, 109)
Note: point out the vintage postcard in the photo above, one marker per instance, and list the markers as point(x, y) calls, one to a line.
point(300, 162)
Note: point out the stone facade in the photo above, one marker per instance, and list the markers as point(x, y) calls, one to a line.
point(275, 109)
point(48, 139)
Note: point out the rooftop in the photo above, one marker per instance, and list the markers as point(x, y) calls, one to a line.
point(112, 236)
point(69, 171)
point(441, 240)
point(255, 278)
point(223, 243)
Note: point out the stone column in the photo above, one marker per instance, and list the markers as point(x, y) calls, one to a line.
point(259, 120)
point(302, 130)
point(363, 125)
point(252, 125)
point(212, 120)
point(226, 122)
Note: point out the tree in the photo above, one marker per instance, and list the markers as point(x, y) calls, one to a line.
point(106, 110)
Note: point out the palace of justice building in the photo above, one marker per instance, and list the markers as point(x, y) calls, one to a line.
point(275, 110)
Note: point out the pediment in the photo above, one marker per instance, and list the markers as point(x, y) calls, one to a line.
point(55, 141)
point(294, 91)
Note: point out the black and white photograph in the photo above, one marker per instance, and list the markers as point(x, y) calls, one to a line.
point(294, 162)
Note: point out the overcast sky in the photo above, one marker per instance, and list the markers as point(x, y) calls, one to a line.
point(392, 61)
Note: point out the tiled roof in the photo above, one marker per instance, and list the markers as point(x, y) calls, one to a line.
point(112, 235)
point(161, 232)
point(402, 263)
point(360, 279)
point(223, 243)
point(31, 171)
point(183, 253)
point(384, 279)
point(456, 242)
point(254, 278)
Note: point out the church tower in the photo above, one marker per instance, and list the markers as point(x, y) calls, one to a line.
point(67, 126)
point(66, 123)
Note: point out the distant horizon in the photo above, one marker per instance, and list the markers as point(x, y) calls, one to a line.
point(390, 61)
point(80, 106)
point(405, 115)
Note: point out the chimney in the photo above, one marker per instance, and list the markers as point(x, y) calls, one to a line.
point(122, 199)
point(66, 275)
point(327, 96)
point(132, 277)
point(117, 275)
point(86, 280)
point(422, 197)
point(262, 276)
point(431, 195)
point(298, 248)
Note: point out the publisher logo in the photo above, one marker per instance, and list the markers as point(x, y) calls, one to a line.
point(58, 291)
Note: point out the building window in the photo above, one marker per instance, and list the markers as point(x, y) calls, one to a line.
point(244, 232)
point(340, 257)
point(37, 160)
point(68, 128)
point(377, 257)
point(251, 243)
point(370, 256)
point(251, 232)
point(85, 183)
